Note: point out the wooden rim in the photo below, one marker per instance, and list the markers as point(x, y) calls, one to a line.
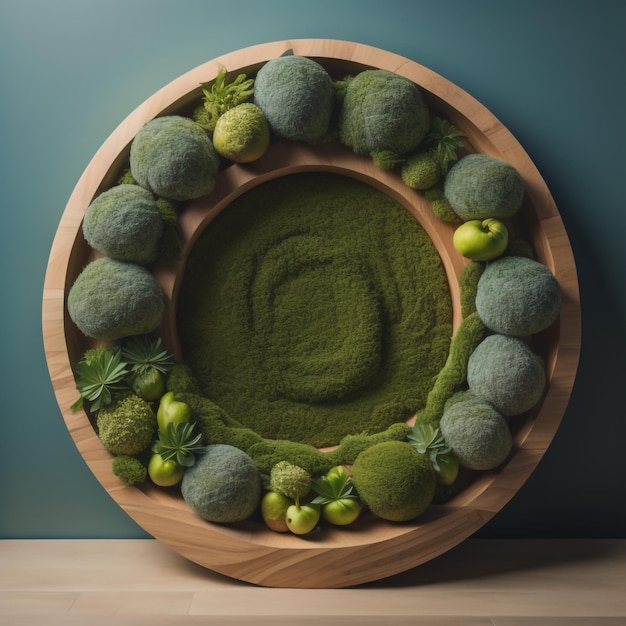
point(367, 551)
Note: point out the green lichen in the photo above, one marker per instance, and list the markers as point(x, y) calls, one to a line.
point(127, 427)
point(454, 373)
point(129, 469)
point(441, 205)
point(468, 282)
point(421, 171)
point(314, 308)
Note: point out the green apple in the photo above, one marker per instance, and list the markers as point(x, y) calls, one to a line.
point(448, 469)
point(481, 240)
point(164, 473)
point(342, 512)
point(274, 507)
point(302, 519)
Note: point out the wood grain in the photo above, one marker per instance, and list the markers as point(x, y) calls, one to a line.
point(373, 549)
point(478, 583)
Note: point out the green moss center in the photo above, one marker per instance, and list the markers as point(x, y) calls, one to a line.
point(315, 307)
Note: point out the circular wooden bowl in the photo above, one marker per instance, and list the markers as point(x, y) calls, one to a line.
point(372, 548)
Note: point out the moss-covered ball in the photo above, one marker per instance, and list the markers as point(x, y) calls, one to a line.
point(128, 426)
point(223, 485)
point(242, 134)
point(479, 436)
point(297, 96)
point(506, 373)
point(421, 171)
point(518, 296)
point(174, 157)
point(124, 223)
point(395, 481)
point(382, 111)
point(112, 299)
point(479, 186)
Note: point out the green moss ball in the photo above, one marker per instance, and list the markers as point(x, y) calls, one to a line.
point(124, 223)
point(478, 435)
point(506, 373)
point(223, 485)
point(518, 296)
point(297, 96)
point(174, 157)
point(113, 299)
point(382, 110)
point(395, 481)
point(127, 427)
point(479, 186)
point(421, 171)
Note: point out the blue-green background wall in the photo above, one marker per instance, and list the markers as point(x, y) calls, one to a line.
point(554, 72)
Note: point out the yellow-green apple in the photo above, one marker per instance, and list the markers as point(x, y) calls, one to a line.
point(274, 507)
point(481, 240)
point(302, 519)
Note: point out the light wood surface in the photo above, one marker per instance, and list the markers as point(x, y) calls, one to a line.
point(368, 551)
point(479, 583)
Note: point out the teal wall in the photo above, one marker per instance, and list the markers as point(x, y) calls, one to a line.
point(552, 70)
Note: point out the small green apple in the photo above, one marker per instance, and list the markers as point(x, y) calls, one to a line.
point(302, 519)
point(342, 512)
point(274, 507)
point(448, 469)
point(481, 240)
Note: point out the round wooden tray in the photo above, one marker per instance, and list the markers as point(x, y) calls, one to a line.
point(371, 549)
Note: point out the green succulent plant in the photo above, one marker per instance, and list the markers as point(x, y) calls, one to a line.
point(220, 95)
point(100, 374)
point(178, 443)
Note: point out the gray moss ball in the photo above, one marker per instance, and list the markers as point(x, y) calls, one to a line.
point(479, 186)
point(382, 111)
point(517, 296)
point(223, 485)
point(124, 223)
point(479, 436)
point(174, 157)
point(297, 96)
point(506, 373)
point(111, 299)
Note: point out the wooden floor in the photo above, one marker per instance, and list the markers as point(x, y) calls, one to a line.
point(479, 583)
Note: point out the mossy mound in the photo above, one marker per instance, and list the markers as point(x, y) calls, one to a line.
point(315, 307)
point(505, 372)
point(518, 296)
point(394, 480)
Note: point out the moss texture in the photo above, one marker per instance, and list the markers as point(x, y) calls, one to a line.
point(223, 485)
point(174, 157)
point(315, 307)
point(479, 186)
point(113, 299)
point(297, 97)
point(479, 436)
point(124, 223)
point(395, 481)
point(506, 373)
point(518, 296)
point(381, 111)
point(127, 427)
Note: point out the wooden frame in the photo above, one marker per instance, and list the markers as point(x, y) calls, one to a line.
point(372, 549)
